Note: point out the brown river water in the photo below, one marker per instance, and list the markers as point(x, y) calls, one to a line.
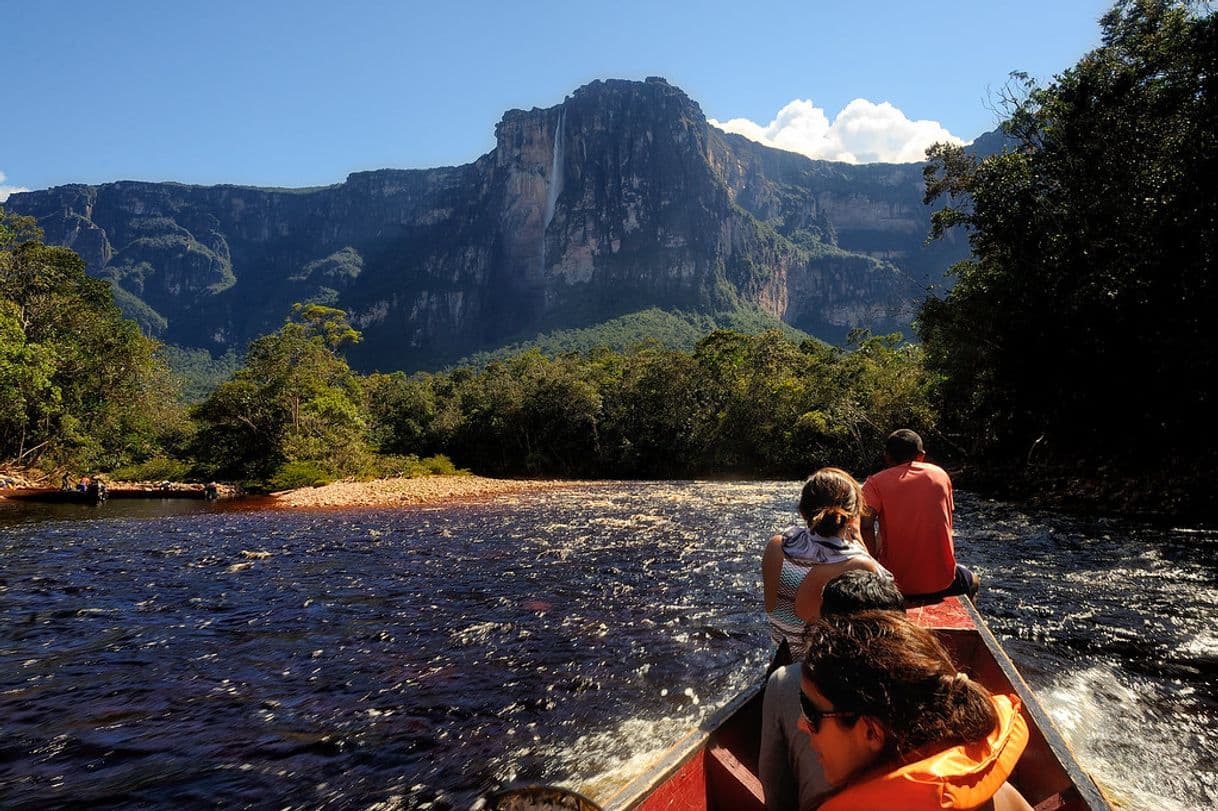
point(184, 655)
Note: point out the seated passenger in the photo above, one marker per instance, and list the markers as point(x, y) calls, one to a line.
point(912, 503)
point(896, 726)
point(789, 769)
point(830, 503)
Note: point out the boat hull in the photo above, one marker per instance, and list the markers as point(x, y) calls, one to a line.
point(715, 766)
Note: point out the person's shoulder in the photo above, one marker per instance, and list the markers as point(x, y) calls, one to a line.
point(784, 677)
point(934, 470)
point(773, 550)
point(881, 477)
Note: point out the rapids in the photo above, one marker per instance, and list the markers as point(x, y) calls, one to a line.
point(190, 655)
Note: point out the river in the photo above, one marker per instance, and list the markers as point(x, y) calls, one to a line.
point(185, 655)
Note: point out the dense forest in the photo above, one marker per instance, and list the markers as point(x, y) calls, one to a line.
point(1075, 341)
point(738, 404)
point(1079, 333)
point(78, 382)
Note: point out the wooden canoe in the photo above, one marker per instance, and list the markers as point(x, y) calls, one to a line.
point(57, 496)
point(54, 495)
point(714, 767)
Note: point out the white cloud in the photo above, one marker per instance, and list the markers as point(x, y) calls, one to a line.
point(863, 132)
point(5, 191)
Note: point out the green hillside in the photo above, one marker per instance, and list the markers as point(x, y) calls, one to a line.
point(671, 329)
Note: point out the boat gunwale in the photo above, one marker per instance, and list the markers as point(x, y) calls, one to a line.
point(1086, 787)
point(679, 753)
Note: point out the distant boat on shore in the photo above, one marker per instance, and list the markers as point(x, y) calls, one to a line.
point(92, 495)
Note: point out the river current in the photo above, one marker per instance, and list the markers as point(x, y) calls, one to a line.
point(187, 655)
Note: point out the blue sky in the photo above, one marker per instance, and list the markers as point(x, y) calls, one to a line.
point(302, 93)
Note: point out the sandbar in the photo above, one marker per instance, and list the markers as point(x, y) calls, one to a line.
point(397, 492)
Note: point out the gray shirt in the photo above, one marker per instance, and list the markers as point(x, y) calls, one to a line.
point(791, 774)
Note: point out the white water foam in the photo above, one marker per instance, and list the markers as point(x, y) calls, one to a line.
point(618, 773)
point(1125, 734)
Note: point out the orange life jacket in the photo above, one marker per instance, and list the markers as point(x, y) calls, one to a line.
point(964, 776)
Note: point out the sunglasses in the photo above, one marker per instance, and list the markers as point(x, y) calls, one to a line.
point(813, 716)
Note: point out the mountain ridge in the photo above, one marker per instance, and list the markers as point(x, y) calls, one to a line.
point(618, 199)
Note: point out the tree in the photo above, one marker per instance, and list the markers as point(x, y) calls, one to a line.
point(79, 383)
point(294, 401)
point(1081, 322)
point(650, 415)
point(402, 413)
point(28, 394)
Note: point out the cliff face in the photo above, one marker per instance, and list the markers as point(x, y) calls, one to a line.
point(618, 199)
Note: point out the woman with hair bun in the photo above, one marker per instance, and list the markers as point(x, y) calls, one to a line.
point(897, 726)
point(801, 560)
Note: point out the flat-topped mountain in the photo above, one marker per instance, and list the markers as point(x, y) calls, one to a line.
point(619, 199)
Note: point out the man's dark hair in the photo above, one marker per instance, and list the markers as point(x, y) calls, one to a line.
point(860, 590)
point(902, 446)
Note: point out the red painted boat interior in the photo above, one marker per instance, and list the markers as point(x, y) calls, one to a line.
point(687, 790)
point(949, 613)
point(720, 775)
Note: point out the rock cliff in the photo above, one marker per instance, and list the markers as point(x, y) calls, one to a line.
point(620, 198)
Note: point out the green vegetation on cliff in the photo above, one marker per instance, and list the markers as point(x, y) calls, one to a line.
point(672, 329)
point(199, 372)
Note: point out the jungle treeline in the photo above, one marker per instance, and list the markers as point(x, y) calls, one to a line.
point(1079, 335)
point(295, 413)
point(78, 382)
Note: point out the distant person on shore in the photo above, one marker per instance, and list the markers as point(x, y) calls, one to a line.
point(830, 503)
point(911, 500)
point(897, 726)
point(789, 769)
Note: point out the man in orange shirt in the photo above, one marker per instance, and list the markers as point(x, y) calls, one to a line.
point(912, 502)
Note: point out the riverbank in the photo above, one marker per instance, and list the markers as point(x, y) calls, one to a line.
point(1156, 494)
point(399, 492)
point(23, 484)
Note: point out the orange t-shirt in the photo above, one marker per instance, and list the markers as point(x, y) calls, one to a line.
point(914, 505)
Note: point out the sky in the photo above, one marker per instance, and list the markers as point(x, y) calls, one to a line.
point(302, 93)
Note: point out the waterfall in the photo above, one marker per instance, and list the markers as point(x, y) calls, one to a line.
point(556, 169)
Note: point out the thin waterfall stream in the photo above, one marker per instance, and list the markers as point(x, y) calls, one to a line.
point(554, 182)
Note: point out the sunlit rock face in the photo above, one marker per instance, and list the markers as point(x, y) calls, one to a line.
point(620, 198)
